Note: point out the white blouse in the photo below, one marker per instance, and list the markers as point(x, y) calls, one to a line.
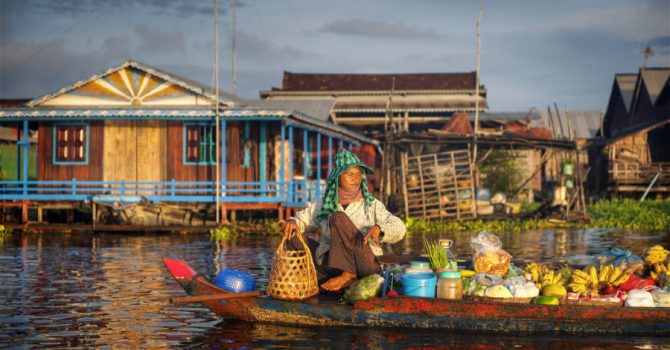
point(392, 226)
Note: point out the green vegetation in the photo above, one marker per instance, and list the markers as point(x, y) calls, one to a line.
point(5, 233)
point(648, 215)
point(220, 234)
point(436, 254)
point(501, 173)
point(651, 215)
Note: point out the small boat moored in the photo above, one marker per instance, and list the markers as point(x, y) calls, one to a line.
point(428, 313)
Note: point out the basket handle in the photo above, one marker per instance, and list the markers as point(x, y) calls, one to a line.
point(300, 238)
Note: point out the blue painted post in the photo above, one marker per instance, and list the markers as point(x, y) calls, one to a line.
point(341, 142)
point(330, 154)
point(262, 156)
point(123, 187)
point(172, 188)
point(283, 162)
point(350, 144)
point(26, 145)
point(290, 163)
point(305, 158)
point(74, 186)
point(18, 153)
point(318, 165)
point(223, 158)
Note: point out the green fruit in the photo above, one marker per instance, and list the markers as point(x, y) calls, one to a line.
point(546, 300)
point(554, 290)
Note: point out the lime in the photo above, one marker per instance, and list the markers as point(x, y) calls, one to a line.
point(546, 300)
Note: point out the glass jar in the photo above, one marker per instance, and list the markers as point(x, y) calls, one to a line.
point(450, 285)
point(418, 266)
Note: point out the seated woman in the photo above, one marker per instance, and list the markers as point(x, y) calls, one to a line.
point(353, 224)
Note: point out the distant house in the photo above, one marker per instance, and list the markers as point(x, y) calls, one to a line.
point(363, 101)
point(135, 136)
point(636, 132)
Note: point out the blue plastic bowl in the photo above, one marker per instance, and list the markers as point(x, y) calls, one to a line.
point(235, 281)
point(420, 284)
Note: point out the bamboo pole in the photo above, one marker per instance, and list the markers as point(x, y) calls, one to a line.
point(475, 185)
point(403, 164)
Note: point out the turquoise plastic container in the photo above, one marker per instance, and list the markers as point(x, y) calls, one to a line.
point(420, 284)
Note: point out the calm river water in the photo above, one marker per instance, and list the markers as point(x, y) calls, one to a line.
point(107, 290)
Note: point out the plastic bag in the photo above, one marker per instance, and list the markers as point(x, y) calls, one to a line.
point(364, 288)
point(623, 259)
point(489, 257)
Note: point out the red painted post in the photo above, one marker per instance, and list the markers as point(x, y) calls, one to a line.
point(24, 212)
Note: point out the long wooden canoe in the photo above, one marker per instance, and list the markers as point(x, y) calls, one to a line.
point(414, 312)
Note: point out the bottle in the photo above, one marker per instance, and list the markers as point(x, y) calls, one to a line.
point(418, 266)
point(446, 245)
point(450, 285)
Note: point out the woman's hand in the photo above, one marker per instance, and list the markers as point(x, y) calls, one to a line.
point(373, 234)
point(289, 228)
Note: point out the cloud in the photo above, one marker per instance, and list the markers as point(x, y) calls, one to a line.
point(376, 28)
point(160, 42)
point(30, 71)
point(178, 8)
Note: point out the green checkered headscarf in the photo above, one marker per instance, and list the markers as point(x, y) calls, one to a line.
point(343, 161)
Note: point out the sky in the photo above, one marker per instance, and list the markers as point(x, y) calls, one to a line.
point(534, 53)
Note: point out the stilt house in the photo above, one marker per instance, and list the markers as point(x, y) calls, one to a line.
point(135, 136)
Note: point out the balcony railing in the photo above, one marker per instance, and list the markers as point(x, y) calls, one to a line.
point(293, 193)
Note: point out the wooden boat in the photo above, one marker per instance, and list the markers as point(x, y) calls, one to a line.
point(414, 312)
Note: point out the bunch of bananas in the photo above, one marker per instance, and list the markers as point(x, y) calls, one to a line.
point(542, 276)
point(655, 255)
point(593, 282)
point(659, 272)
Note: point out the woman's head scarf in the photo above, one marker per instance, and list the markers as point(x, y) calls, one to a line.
point(344, 160)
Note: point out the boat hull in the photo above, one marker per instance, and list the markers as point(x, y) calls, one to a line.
point(412, 312)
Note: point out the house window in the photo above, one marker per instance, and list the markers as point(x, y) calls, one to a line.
point(71, 144)
point(199, 144)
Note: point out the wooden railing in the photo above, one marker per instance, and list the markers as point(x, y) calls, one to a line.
point(640, 174)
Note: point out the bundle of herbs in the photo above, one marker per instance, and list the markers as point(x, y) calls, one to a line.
point(437, 255)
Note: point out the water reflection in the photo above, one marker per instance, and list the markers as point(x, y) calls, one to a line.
point(111, 290)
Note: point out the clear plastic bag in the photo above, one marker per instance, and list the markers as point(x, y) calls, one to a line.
point(364, 288)
point(489, 257)
point(623, 259)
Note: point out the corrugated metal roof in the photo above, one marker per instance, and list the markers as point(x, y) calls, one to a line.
point(148, 114)
point(585, 123)
point(418, 81)
point(626, 83)
point(318, 108)
point(655, 79)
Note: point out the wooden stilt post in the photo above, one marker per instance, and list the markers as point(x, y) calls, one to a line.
point(24, 212)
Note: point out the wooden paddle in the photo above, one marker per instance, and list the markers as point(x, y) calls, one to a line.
point(199, 298)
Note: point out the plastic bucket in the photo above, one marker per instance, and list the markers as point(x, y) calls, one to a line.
point(235, 281)
point(420, 284)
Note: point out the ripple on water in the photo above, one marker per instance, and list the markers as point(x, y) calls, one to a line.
point(111, 291)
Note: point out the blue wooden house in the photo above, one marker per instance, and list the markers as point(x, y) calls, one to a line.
point(135, 136)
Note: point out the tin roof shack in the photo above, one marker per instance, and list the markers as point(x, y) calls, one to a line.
point(371, 103)
point(141, 144)
point(636, 131)
point(433, 174)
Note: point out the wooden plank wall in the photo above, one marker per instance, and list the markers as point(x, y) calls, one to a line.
point(48, 171)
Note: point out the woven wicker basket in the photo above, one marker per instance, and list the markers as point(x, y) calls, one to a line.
point(293, 275)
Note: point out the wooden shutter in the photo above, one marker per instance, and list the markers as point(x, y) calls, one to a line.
point(193, 143)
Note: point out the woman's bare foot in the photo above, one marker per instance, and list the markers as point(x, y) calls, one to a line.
point(337, 283)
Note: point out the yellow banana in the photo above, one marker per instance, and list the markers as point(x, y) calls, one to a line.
point(593, 274)
point(603, 273)
point(623, 278)
point(616, 273)
point(580, 279)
